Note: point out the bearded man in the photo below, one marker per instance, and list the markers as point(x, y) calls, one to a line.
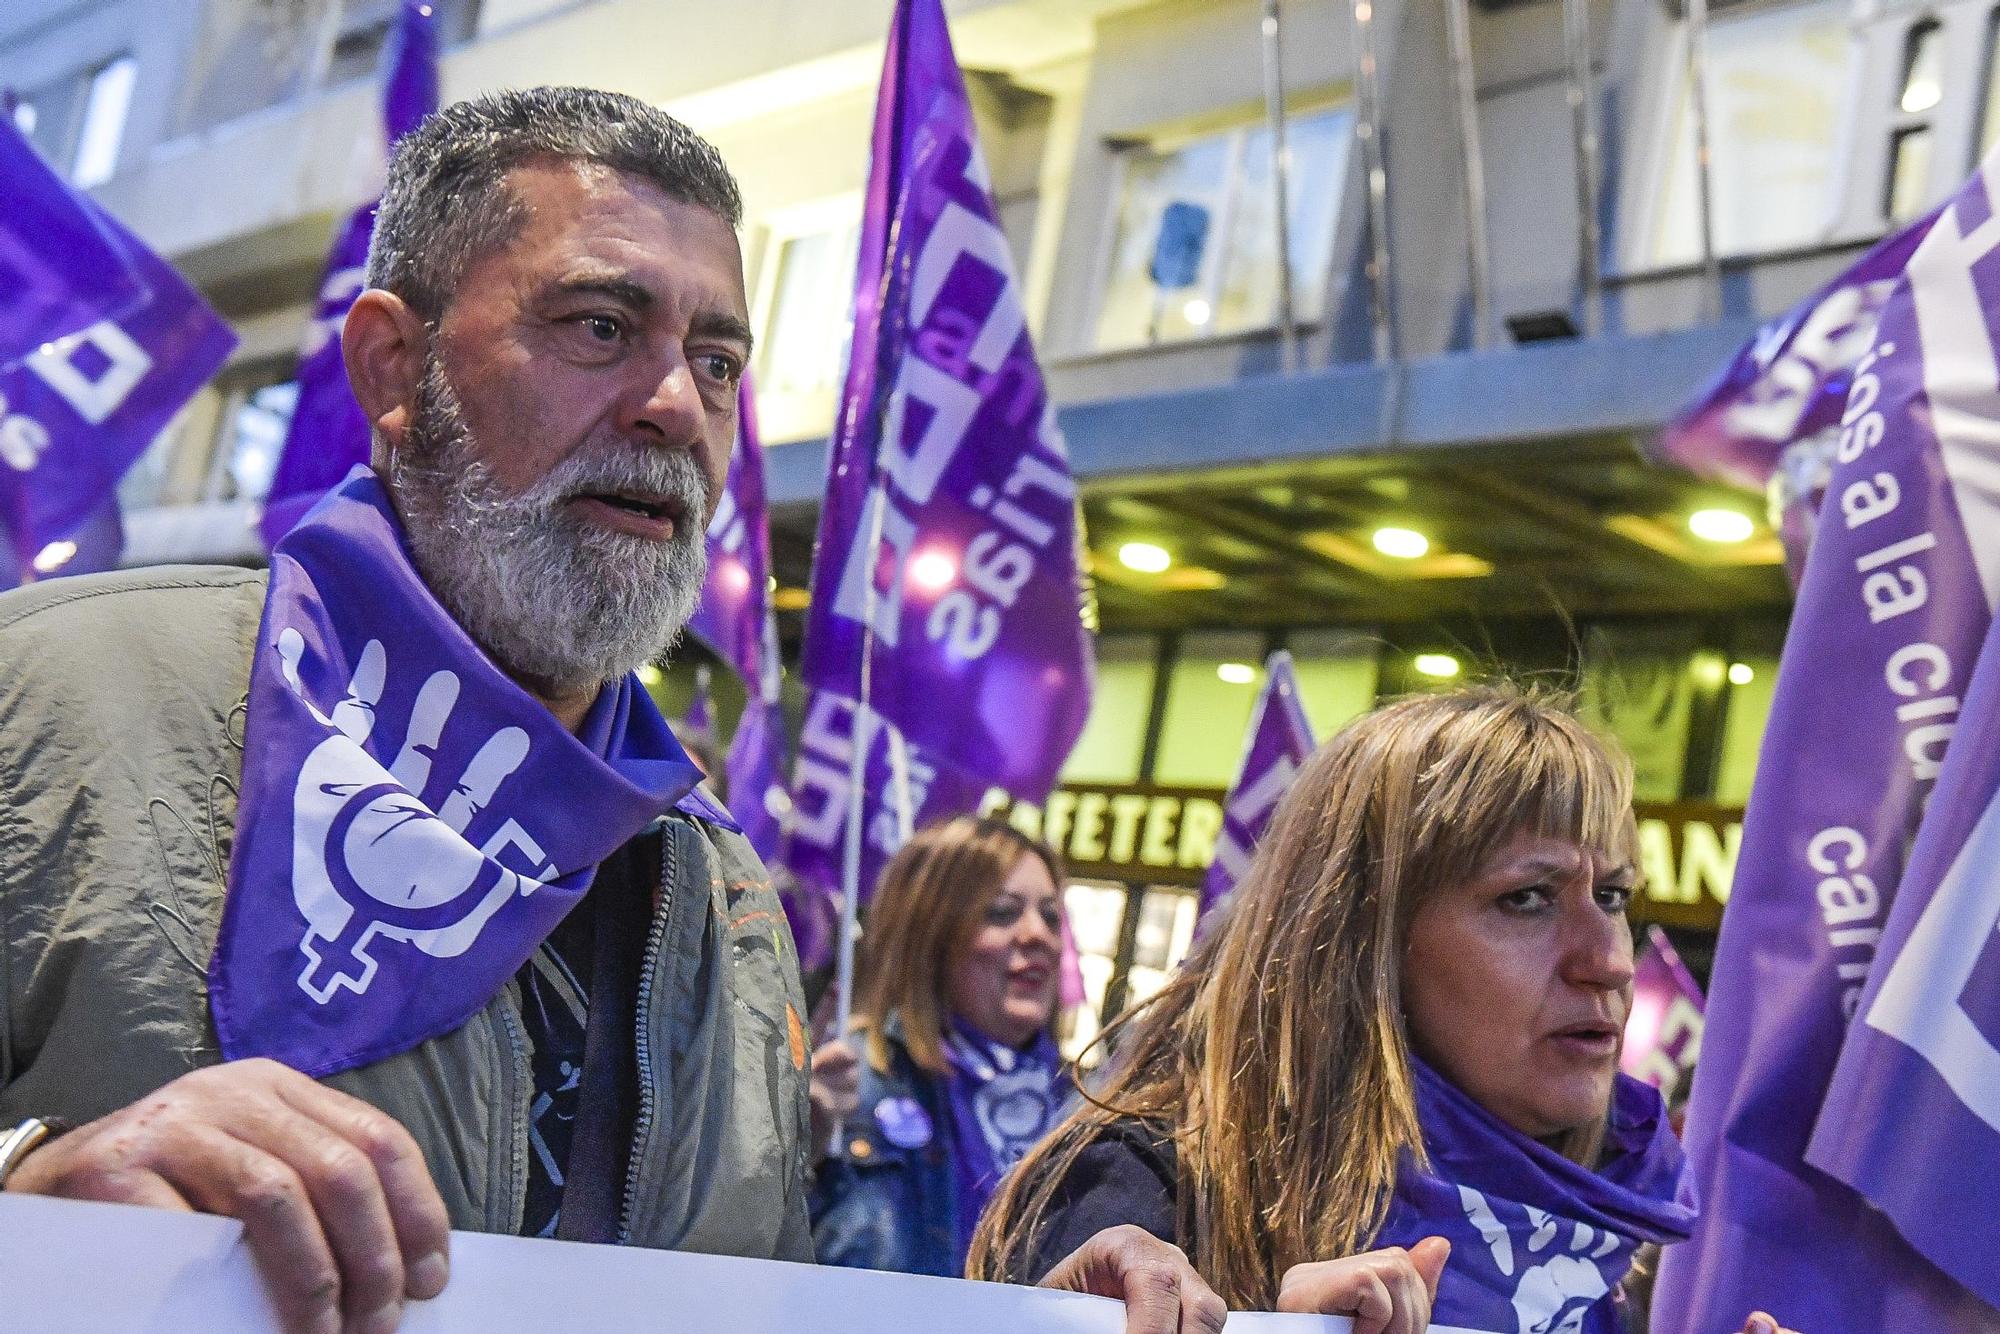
point(371, 896)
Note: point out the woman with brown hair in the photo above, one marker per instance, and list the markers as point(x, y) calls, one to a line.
point(960, 972)
point(1406, 1028)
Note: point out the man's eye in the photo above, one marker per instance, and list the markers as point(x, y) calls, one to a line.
point(721, 366)
point(602, 328)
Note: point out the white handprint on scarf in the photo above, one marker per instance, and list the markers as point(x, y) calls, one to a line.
point(1554, 1296)
point(369, 860)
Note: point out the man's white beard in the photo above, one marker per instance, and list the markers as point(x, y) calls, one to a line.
point(556, 602)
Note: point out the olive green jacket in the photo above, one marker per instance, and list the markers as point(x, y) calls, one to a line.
point(122, 704)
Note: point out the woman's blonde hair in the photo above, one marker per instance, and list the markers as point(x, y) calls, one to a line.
point(1277, 1058)
point(927, 906)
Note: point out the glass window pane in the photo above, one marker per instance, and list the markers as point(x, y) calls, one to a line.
point(104, 115)
point(1114, 740)
point(256, 434)
point(1775, 80)
point(805, 342)
point(1747, 710)
point(1638, 688)
point(1337, 673)
point(1167, 216)
point(1207, 717)
point(1923, 69)
point(1989, 115)
point(1909, 173)
point(1248, 295)
point(1166, 929)
point(1096, 911)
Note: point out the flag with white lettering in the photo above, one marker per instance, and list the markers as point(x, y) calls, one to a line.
point(328, 436)
point(1897, 597)
point(1912, 1120)
point(78, 411)
point(1663, 1028)
point(1771, 418)
point(61, 269)
point(902, 791)
point(948, 550)
point(1280, 740)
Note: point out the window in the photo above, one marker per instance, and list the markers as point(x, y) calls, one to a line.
point(1167, 918)
point(1114, 740)
point(364, 34)
point(78, 122)
point(1337, 673)
point(1208, 710)
point(804, 315)
point(1989, 109)
point(1775, 80)
point(1638, 689)
point(1907, 184)
point(1194, 251)
point(253, 435)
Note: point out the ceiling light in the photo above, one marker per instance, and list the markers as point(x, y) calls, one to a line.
point(54, 556)
point(1197, 311)
point(1440, 665)
point(1144, 557)
point(1741, 674)
point(1402, 543)
point(1721, 525)
point(933, 571)
point(1236, 673)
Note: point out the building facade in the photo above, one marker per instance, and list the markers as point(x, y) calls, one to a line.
point(1238, 483)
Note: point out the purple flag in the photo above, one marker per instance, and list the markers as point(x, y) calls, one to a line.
point(1663, 1031)
point(950, 523)
point(1912, 1119)
point(76, 413)
point(1897, 598)
point(413, 824)
point(903, 791)
point(1789, 384)
point(328, 435)
point(1280, 740)
point(62, 269)
point(735, 616)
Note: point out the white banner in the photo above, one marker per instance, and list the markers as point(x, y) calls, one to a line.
point(71, 1268)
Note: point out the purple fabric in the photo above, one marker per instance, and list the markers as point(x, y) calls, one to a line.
point(1663, 1031)
point(1001, 1100)
point(1537, 1241)
point(1895, 604)
point(946, 445)
point(735, 617)
point(62, 268)
point(816, 840)
point(328, 435)
point(1789, 383)
point(76, 413)
point(1280, 740)
point(1912, 1119)
point(412, 824)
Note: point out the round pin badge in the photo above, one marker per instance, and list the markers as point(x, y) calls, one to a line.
point(904, 1122)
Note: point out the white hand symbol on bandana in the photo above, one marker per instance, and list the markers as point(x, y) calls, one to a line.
point(1552, 1297)
point(369, 859)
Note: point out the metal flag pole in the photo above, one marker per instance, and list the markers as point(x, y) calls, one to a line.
point(1478, 263)
point(1281, 172)
point(1697, 65)
point(1582, 90)
point(1368, 129)
point(862, 739)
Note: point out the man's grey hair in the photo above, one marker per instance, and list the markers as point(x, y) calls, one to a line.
point(447, 204)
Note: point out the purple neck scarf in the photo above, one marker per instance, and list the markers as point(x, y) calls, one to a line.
point(1002, 1101)
point(1538, 1243)
point(412, 823)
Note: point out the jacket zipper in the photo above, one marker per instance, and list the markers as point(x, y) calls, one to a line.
point(643, 1123)
point(517, 1048)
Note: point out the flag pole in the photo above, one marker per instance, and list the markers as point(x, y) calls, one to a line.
point(1582, 93)
point(1281, 170)
point(1368, 129)
point(1472, 158)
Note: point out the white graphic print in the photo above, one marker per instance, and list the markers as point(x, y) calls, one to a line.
point(1551, 1297)
point(369, 859)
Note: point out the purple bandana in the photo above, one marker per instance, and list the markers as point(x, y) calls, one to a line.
point(431, 821)
point(1537, 1241)
point(1002, 1100)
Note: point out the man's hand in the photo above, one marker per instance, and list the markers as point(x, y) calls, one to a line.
point(835, 1090)
point(1386, 1292)
point(336, 1203)
point(1161, 1291)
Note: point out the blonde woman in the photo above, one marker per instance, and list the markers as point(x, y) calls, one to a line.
point(1407, 1028)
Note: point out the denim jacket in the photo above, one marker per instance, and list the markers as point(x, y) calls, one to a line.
point(880, 1204)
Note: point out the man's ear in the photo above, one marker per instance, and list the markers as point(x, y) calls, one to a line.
point(383, 344)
